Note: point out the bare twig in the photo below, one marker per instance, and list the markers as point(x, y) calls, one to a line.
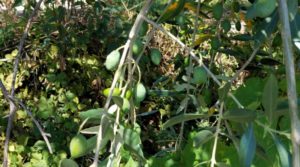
point(267, 128)
point(12, 107)
point(193, 56)
point(213, 156)
point(18, 102)
point(21, 44)
point(245, 64)
point(291, 82)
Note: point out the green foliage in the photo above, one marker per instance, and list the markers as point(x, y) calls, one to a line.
point(217, 11)
point(270, 96)
point(240, 115)
point(284, 154)
point(71, 54)
point(172, 10)
point(249, 94)
point(199, 75)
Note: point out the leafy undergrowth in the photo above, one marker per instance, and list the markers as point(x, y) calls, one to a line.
point(71, 56)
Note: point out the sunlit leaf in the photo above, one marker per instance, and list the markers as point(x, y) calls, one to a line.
point(93, 113)
point(90, 130)
point(46, 107)
point(172, 10)
point(201, 38)
point(131, 163)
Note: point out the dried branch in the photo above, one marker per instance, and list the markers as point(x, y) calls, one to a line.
point(22, 105)
point(12, 106)
point(291, 82)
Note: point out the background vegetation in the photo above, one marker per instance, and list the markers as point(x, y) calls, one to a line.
point(188, 84)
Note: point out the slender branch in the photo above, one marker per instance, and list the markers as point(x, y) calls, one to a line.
point(213, 157)
point(12, 107)
point(21, 44)
point(189, 73)
point(128, 45)
point(287, 135)
point(234, 139)
point(18, 102)
point(245, 64)
point(193, 55)
point(291, 82)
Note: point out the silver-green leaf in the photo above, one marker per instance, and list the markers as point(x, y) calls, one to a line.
point(270, 96)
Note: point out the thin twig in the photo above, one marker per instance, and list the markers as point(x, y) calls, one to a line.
point(21, 44)
point(128, 45)
point(213, 156)
point(189, 73)
point(287, 135)
point(245, 64)
point(193, 55)
point(18, 102)
point(234, 139)
point(291, 82)
point(12, 107)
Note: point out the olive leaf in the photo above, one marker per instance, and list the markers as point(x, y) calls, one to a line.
point(270, 96)
point(202, 137)
point(247, 147)
point(240, 115)
point(181, 118)
point(284, 154)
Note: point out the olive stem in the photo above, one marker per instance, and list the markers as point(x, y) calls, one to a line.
point(189, 73)
point(291, 81)
point(218, 130)
point(132, 35)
